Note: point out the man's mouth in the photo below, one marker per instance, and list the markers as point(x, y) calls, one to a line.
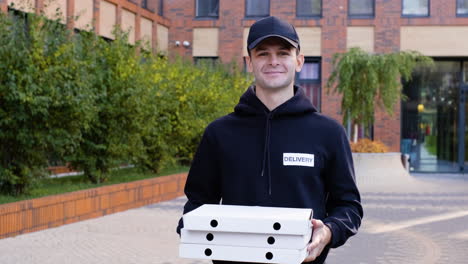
point(273, 72)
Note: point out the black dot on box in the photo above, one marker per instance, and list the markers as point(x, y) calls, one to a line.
point(277, 226)
point(269, 255)
point(214, 223)
point(208, 252)
point(271, 240)
point(209, 237)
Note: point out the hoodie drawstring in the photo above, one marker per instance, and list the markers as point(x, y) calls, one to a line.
point(266, 150)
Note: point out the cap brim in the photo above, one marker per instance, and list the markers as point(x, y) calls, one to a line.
point(257, 41)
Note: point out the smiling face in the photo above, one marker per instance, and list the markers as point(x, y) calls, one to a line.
point(274, 63)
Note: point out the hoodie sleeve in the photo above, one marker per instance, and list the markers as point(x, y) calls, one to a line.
point(203, 183)
point(344, 210)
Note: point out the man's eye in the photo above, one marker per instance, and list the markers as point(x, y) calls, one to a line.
point(262, 54)
point(284, 53)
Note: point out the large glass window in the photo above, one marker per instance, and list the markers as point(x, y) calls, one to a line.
point(257, 8)
point(465, 109)
point(462, 7)
point(309, 79)
point(207, 8)
point(307, 8)
point(415, 8)
point(361, 8)
point(433, 118)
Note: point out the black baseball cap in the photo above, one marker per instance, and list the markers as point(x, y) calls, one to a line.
point(272, 27)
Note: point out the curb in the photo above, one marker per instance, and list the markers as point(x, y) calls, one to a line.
point(52, 211)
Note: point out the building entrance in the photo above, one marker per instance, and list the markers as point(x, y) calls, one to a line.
point(434, 118)
point(463, 133)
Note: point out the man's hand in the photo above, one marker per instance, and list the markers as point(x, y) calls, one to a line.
point(320, 238)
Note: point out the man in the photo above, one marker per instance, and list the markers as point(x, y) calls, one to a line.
point(276, 150)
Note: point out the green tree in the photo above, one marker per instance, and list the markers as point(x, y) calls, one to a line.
point(364, 80)
point(77, 98)
point(184, 99)
point(44, 97)
point(119, 85)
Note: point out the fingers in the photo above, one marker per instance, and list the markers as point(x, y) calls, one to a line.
point(313, 254)
point(316, 245)
point(313, 245)
point(308, 259)
point(317, 223)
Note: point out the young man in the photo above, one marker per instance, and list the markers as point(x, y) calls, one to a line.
point(276, 150)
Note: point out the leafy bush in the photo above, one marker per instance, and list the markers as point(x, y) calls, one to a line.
point(119, 88)
point(365, 145)
point(77, 98)
point(185, 99)
point(44, 96)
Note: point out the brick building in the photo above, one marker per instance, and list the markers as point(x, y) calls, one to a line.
point(435, 136)
point(142, 17)
point(431, 126)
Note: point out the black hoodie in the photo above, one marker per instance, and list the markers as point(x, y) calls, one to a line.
point(264, 158)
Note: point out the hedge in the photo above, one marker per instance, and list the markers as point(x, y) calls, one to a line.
point(76, 98)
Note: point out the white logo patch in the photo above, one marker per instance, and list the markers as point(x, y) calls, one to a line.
point(298, 159)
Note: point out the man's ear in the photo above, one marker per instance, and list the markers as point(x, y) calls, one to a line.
point(300, 62)
point(248, 61)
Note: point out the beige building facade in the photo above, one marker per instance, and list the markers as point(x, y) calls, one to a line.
point(140, 18)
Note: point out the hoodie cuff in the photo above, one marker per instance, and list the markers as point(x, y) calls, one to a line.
point(335, 231)
point(180, 226)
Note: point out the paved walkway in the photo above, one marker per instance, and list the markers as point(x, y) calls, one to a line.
point(414, 220)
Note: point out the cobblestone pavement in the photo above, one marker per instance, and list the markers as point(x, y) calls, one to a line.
point(424, 221)
point(424, 224)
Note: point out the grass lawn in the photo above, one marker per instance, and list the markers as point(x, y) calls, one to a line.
point(52, 186)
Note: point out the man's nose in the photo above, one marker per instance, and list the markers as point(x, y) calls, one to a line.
point(273, 60)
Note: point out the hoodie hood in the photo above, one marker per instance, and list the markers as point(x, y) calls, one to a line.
point(249, 104)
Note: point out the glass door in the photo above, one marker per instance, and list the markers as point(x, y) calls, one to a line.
point(463, 113)
point(433, 118)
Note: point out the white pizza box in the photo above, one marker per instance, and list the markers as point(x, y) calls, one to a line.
point(243, 254)
point(249, 219)
point(245, 239)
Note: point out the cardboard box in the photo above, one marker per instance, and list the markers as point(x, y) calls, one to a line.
point(246, 234)
point(245, 239)
point(243, 254)
point(249, 219)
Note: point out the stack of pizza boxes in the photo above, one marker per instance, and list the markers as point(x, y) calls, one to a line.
point(246, 234)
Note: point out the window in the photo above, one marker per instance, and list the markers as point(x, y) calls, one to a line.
point(307, 8)
point(205, 61)
point(309, 79)
point(433, 127)
point(310, 71)
point(415, 8)
point(207, 8)
point(144, 4)
point(160, 7)
point(361, 8)
point(257, 8)
point(462, 7)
